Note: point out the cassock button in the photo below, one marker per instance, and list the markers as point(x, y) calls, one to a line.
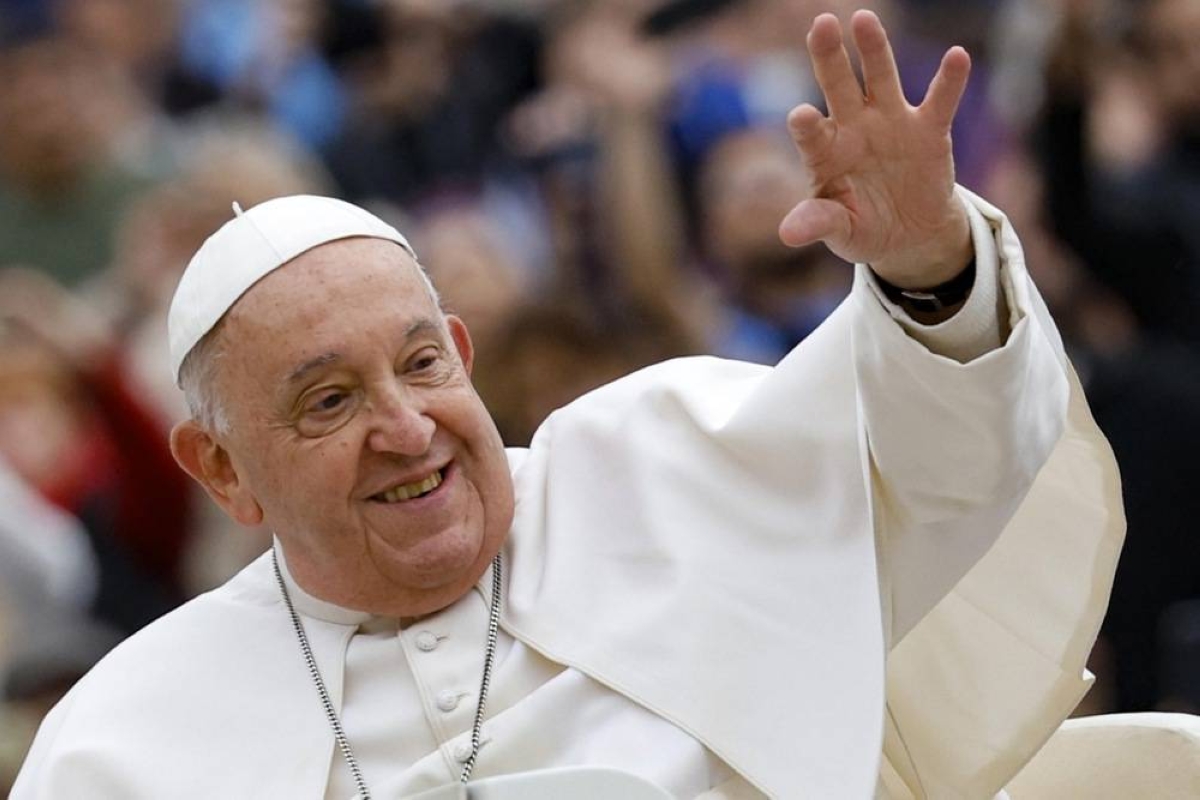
point(427, 641)
point(462, 750)
point(447, 700)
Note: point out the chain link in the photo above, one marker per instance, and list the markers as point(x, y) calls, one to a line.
point(488, 660)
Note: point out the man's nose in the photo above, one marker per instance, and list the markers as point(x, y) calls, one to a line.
point(400, 424)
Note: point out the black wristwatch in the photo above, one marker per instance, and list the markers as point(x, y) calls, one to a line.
point(936, 298)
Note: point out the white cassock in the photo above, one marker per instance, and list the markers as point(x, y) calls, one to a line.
point(715, 573)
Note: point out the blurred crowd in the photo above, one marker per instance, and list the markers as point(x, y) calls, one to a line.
point(594, 185)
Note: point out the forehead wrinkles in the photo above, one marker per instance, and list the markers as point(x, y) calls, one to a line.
point(336, 282)
point(309, 285)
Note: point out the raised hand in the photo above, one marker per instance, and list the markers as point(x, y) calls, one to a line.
point(881, 171)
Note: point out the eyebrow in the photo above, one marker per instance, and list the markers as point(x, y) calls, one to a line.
point(304, 369)
point(421, 326)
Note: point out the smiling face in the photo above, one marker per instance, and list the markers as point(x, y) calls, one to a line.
point(355, 433)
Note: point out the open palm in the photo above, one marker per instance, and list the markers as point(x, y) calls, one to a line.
point(881, 170)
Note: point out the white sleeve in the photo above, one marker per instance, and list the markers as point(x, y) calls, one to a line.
point(954, 439)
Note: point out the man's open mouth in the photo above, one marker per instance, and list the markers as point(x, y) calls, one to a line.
point(409, 491)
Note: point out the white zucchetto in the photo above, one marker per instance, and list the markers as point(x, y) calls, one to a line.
point(250, 246)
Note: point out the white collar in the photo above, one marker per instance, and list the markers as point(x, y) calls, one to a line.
point(308, 605)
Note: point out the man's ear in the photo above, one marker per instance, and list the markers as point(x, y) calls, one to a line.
point(202, 457)
point(462, 341)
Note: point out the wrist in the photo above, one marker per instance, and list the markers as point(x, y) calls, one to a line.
point(936, 261)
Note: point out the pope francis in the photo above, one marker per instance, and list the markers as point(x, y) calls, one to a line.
point(874, 570)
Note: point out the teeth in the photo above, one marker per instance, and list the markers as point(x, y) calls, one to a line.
point(411, 490)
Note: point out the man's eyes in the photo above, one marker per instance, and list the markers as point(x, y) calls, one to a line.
point(330, 402)
point(326, 402)
point(425, 360)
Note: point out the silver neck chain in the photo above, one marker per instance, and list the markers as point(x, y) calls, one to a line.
point(331, 714)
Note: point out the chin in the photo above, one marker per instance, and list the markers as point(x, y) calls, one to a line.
point(440, 562)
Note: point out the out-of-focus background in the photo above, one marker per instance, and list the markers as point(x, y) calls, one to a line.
point(594, 185)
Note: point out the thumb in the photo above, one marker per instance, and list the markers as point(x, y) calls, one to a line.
point(816, 219)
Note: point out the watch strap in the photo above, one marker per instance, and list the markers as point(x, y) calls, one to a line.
point(935, 298)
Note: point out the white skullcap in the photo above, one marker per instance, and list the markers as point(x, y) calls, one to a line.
point(251, 245)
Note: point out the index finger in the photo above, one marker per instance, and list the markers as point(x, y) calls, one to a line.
point(831, 65)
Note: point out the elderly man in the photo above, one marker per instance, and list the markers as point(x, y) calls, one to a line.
point(694, 576)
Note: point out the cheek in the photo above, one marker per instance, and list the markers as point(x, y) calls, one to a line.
point(495, 480)
point(306, 473)
point(467, 421)
point(328, 465)
point(485, 438)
